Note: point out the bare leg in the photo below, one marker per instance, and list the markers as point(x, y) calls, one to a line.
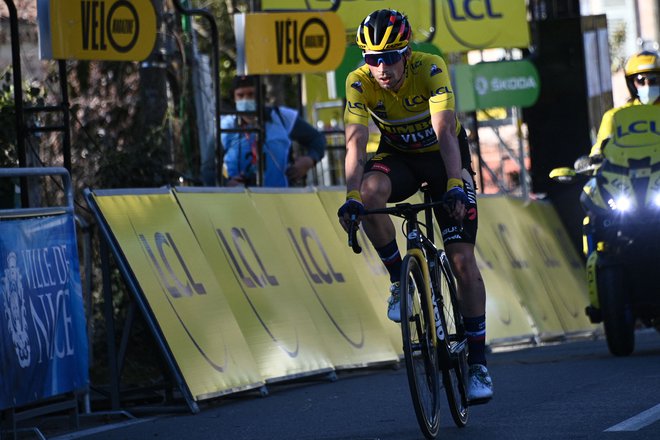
point(471, 288)
point(376, 189)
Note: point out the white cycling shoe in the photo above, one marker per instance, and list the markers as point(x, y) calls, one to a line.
point(480, 385)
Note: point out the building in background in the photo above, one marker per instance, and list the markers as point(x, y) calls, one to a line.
point(636, 23)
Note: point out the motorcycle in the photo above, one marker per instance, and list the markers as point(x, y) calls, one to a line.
point(621, 230)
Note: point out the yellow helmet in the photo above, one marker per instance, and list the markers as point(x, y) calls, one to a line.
point(645, 61)
point(385, 29)
point(642, 62)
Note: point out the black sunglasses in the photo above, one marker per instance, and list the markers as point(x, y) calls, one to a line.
point(388, 58)
point(644, 80)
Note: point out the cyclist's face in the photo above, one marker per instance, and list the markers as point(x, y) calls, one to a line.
point(389, 76)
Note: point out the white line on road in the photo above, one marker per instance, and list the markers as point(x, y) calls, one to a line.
point(639, 421)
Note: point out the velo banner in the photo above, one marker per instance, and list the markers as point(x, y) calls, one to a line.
point(42, 330)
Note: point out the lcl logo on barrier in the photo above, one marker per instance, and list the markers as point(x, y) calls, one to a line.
point(482, 24)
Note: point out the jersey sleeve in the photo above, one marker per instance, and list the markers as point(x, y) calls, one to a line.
point(604, 132)
point(355, 111)
point(441, 92)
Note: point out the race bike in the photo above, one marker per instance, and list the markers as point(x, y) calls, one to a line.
point(621, 233)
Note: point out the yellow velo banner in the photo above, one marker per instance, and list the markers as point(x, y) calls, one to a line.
point(188, 304)
point(334, 294)
point(289, 42)
point(262, 282)
point(118, 30)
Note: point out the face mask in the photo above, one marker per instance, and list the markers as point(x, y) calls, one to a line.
point(246, 105)
point(648, 94)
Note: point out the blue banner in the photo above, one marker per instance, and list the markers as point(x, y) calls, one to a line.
point(43, 338)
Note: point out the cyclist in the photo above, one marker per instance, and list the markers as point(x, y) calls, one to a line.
point(642, 73)
point(410, 99)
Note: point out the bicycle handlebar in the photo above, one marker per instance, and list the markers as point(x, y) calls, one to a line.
point(353, 226)
point(404, 210)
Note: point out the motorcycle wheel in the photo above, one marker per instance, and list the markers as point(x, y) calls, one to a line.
point(618, 318)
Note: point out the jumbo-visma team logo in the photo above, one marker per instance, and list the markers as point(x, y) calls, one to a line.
point(15, 310)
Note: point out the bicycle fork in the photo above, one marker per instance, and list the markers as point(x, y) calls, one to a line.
point(439, 330)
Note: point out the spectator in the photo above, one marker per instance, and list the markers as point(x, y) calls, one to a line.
point(282, 126)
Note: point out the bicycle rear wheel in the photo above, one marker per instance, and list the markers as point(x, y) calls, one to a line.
point(419, 352)
point(452, 350)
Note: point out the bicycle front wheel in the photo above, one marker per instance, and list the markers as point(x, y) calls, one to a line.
point(419, 352)
point(452, 349)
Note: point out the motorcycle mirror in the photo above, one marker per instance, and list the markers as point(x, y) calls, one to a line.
point(563, 175)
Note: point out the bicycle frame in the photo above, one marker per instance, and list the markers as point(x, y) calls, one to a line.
point(418, 244)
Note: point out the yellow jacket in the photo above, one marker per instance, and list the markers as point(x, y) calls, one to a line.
point(605, 130)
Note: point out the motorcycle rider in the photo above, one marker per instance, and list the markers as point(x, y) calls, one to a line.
point(642, 73)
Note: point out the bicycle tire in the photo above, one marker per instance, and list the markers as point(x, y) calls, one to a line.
point(453, 348)
point(420, 355)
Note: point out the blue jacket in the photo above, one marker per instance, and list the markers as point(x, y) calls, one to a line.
point(282, 125)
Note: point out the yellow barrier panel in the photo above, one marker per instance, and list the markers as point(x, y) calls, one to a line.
point(185, 299)
point(506, 320)
point(262, 283)
point(521, 238)
point(371, 272)
point(501, 230)
point(564, 282)
point(334, 296)
point(266, 287)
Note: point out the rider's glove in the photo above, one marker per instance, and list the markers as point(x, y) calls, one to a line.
point(584, 163)
point(453, 195)
point(353, 205)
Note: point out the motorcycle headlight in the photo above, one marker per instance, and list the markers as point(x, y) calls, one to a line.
point(656, 199)
point(621, 204)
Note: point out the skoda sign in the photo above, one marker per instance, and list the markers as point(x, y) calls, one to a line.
point(499, 84)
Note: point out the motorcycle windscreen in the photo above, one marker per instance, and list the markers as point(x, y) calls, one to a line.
point(635, 135)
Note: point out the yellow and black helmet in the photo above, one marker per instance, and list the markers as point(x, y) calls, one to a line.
point(385, 29)
point(646, 61)
point(642, 62)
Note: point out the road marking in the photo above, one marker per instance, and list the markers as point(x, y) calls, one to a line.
point(639, 421)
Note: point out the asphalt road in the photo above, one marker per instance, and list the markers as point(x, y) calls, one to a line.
point(570, 390)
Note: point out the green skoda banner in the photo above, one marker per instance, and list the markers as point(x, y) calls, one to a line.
point(496, 84)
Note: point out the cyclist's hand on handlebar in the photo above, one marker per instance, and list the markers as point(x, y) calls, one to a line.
point(455, 201)
point(350, 211)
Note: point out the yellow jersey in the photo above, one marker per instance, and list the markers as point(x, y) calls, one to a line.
point(403, 117)
point(605, 129)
